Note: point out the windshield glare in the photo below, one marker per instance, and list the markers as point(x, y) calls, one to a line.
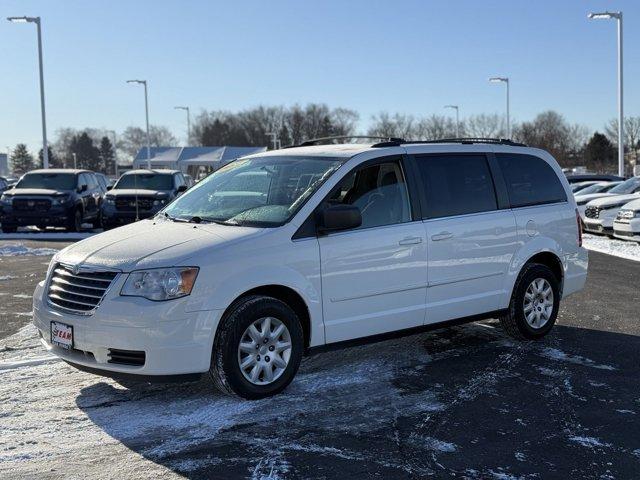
point(259, 191)
point(628, 186)
point(598, 187)
point(145, 181)
point(48, 181)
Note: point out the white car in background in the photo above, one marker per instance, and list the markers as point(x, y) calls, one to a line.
point(627, 223)
point(601, 213)
point(628, 187)
point(597, 190)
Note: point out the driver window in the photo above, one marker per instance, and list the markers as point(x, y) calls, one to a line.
point(379, 191)
point(82, 180)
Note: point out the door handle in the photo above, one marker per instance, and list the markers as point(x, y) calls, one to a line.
point(410, 241)
point(441, 236)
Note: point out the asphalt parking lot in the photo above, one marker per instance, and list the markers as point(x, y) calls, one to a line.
point(462, 402)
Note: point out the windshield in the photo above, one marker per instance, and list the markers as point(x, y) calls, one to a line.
point(145, 181)
point(260, 191)
point(598, 187)
point(48, 181)
point(628, 186)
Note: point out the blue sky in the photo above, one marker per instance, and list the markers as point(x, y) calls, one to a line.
point(398, 56)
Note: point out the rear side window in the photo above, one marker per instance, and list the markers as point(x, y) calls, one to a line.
point(530, 180)
point(456, 185)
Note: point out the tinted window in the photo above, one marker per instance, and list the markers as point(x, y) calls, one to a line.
point(51, 181)
point(102, 181)
point(456, 185)
point(530, 180)
point(379, 191)
point(631, 185)
point(91, 181)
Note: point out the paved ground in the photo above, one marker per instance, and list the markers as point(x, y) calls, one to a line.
point(464, 402)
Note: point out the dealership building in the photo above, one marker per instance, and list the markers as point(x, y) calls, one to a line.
point(196, 161)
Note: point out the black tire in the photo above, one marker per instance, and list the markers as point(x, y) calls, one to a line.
point(97, 222)
point(9, 228)
point(514, 322)
point(225, 369)
point(75, 223)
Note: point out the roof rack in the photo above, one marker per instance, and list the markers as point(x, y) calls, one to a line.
point(464, 141)
point(316, 141)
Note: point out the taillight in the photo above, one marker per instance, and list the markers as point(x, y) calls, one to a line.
point(579, 222)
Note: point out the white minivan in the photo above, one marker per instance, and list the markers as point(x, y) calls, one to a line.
point(288, 252)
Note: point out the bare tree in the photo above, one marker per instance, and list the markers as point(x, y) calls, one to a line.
point(435, 127)
point(485, 126)
point(398, 125)
point(135, 138)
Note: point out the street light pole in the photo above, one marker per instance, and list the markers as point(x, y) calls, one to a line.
point(146, 109)
point(617, 16)
point(186, 109)
point(506, 81)
point(457, 109)
point(274, 139)
point(115, 152)
point(45, 147)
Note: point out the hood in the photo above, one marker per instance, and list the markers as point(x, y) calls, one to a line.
point(151, 244)
point(583, 199)
point(17, 192)
point(613, 200)
point(632, 205)
point(132, 192)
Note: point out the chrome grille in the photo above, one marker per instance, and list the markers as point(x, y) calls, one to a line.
point(78, 292)
point(592, 212)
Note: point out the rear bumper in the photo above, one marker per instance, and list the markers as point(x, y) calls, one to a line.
point(575, 271)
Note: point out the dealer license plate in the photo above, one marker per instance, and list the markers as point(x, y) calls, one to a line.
point(62, 335)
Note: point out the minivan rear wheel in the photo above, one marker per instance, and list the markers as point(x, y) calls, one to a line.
point(534, 303)
point(257, 349)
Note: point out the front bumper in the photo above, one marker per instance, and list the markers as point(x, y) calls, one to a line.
point(599, 225)
point(627, 230)
point(55, 216)
point(113, 217)
point(175, 341)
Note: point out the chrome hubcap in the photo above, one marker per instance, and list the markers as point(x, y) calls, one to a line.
point(264, 351)
point(538, 303)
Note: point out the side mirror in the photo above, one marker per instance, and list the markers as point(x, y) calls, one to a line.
point(82, 188)
point(339, 217)
point(109, 187)
point(182, 188)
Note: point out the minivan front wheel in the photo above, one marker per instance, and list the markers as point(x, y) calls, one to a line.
point(534, 303)
point(257, 349)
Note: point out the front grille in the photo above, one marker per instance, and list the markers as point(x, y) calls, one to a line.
point(81, 292)
point(129, 203)
point(592, 212)
point(127, 357)
point(31, 205)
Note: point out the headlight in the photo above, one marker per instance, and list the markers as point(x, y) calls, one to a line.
point(159, 202)
point(60, 200)
point(5, 199)
point(109, 200)
point(160, 283)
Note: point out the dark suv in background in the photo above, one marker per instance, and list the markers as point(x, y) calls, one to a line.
point(52, 198)
point(140, 194)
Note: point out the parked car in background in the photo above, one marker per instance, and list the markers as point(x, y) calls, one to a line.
point(578, 186)
point(628, 187)
point(290, 251)
point(4, 184)
point(598, 187)
point(52, 198)
point(627, 223)
point(600, 213)
point(140, 194)
point(103, 181)
point(585, 177)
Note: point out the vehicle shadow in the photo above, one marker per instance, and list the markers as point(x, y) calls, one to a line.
point(464, 401)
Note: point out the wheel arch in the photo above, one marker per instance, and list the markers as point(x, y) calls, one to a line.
point(286, 295)
point(551, 260)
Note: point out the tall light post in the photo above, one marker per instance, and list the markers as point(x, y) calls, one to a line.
point(617, 16)
point(146, 109)
point(186, 109)
point(506, 81)
point(45, 147)
point(457, 109)
point(115, 152)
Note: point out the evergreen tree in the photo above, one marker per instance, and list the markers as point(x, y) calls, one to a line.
point(21, 160)
point(600, 154)
point(87, 154)
point(54, 161)
point(107, 155)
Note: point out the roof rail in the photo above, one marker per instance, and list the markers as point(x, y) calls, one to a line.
point(471, 140)
point(316, 141)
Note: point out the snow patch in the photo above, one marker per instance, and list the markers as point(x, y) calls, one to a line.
point(22, 295)
point(618, 248)
point(555, 354)
point(432, 443)
point(590, 442)
point(6, 277)
point(20, 250)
